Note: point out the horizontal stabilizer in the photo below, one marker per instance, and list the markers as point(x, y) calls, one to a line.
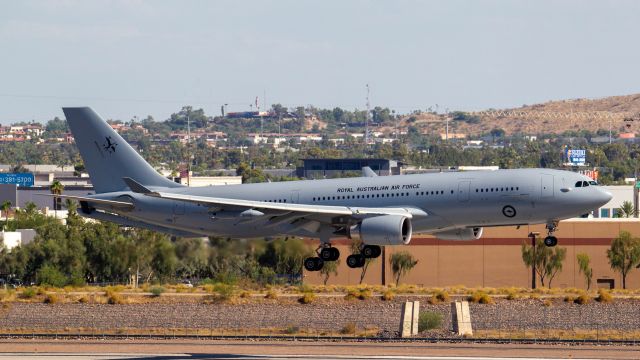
point(135, 186)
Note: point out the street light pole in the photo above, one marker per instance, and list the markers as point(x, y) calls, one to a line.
point(533, 236)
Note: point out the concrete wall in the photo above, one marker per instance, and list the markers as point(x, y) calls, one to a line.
point(495, 260)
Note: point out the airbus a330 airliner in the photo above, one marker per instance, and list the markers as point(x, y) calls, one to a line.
point(384, 210)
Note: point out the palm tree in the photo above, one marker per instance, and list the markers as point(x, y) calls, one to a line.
point(56, 189)
point(626, 209)
point(5, 209)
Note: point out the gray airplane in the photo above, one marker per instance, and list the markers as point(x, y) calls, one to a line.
point(380, 211)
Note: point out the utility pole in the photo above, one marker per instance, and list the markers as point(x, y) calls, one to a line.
point(446, 135)
point(366, 124)
point(188, 150)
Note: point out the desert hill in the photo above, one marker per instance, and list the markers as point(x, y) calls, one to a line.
point(553, 117)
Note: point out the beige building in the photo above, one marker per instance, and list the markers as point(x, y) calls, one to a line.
point(495, 260)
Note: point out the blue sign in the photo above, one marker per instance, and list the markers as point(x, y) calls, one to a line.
point(20, 179)
point(576, 157)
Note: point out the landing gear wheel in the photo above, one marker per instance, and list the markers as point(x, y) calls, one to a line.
point(313, 264)
point(355, 261)
point(371, 251)
point(329, 254)
point(550, 241)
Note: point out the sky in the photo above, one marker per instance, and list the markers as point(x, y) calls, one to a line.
point(136, 58)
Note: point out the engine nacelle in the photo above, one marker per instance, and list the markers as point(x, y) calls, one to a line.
point(383, 230)
point(462, 234)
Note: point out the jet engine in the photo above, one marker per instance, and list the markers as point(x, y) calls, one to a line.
point(462, 234)
point(383, 230)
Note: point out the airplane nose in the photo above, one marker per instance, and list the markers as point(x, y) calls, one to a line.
point(604, 196)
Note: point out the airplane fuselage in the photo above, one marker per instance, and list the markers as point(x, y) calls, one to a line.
point(450, 200)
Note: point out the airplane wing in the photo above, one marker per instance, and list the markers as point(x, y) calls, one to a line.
point(113, 203)
point(356, 212)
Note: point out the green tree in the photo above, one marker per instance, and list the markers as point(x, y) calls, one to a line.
point(329, 268)
point(584, 264)
point(624, 254)
point(401, 263)
point(547, 260)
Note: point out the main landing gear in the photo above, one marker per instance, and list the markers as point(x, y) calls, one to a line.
point(366, 252)
point(550, 240)
point(325, 253)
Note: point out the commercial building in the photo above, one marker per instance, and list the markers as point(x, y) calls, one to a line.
point(495, 260)
point(329, 168)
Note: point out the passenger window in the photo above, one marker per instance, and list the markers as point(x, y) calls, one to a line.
point(593, 183)
point(585, 184)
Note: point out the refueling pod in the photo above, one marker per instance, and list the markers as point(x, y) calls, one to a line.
point(461, 234)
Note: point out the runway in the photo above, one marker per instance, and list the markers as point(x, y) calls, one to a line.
point(255, 357)
point(238, 350)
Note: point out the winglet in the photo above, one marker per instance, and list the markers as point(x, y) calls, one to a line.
point(135, 186)
point(367, 172)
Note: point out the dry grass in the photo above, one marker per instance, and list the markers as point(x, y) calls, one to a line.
point(388, 295)
point(480, 297)
point(604, 296)
point(582, 299)
point(114, 298)
point(307, 298)
point(271, 294)
point(51, 299)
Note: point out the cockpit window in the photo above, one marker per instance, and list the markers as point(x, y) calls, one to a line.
point(593, 183)
point(579, 184)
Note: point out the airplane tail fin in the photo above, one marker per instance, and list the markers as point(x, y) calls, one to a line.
point(106, 155)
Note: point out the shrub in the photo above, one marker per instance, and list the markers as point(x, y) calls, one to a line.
point(429, 320)
point(348, 328)
point(441, 296)
point(271, 294)
point(28, 293)
point(480, 297)
point(511, 295)
point(245, 295)
point(304, 288)
point(113, 298)
point(157, 291)
point(604, 296)
point(83, 299)
point(49, 275)
point(569, 299)
point(307, 298)
point(388, 295)
point(224, 291)
point(51, 299)
point(582, 299)
point(352, 294)
point(292, 329)
point(547, 303)
point(364, 294)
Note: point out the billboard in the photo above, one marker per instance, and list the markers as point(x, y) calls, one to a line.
point(576, 157)
point(20, 179)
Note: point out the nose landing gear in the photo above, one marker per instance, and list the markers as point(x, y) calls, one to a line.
point(550, 240)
